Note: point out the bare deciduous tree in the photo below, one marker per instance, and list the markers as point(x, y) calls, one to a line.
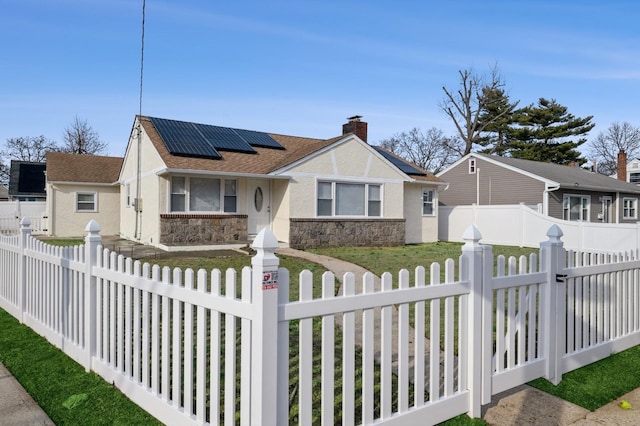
point(433, 151)
point(4, 175)
point(466, 105)
point(604, 149)
point(24, 148)
point(80, 138)
point(28, 148)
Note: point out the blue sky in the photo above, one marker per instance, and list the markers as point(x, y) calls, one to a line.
point(301, 68)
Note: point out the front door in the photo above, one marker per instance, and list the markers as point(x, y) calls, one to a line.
point(259, 202)
point(606, 210)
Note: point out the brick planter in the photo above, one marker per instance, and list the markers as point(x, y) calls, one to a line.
point(310, 233)
point(202, 229)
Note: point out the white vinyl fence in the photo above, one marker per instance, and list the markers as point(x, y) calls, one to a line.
point(11, 212)
point(213, 347)
point(523, 226)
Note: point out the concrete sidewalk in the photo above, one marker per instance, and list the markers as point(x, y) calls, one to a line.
point(17, 408)
point(524, 406)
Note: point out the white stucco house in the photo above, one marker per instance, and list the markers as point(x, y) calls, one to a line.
point(186, 184)
point(80, 188)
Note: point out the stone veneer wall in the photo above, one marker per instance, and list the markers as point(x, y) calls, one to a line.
point(203, 229)
point(310, 233)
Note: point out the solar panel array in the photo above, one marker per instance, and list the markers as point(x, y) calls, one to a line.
point(224, 138)
point(403, 166)
point(258, 139)
point(204, 140)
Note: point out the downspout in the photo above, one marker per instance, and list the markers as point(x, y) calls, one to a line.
point(50, 209)
point(477, 186)
point(545, 198)
point(136, 204)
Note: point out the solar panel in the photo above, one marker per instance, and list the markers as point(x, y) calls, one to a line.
point(224, 138)
point(182, 138)
point(204, 140)
point(403, 166)
point(258, 139)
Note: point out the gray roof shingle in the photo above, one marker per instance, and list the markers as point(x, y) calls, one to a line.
point(566, 176)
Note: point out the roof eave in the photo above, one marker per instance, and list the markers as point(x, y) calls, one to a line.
point(66, 182)
point(168, 171)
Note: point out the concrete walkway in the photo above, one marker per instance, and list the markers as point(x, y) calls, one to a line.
point(17, 408)
point(527, 406)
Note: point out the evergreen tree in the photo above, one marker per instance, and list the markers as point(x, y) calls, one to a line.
point(496, 118)
point(547, 132)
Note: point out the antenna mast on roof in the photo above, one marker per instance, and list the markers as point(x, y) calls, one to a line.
point(137, 203)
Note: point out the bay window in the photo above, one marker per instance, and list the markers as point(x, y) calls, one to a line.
point(196, 194)
point(349, 199)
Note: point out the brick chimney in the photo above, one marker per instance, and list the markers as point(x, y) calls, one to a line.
point(359, 128)
point(622, 165)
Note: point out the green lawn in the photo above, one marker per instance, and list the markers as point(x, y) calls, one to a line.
point(392, 259)
point(51, 378)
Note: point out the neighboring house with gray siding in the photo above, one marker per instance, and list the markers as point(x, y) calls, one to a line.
point(562, 192)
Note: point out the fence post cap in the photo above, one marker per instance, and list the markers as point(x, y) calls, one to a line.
point(25, 222)
point(92, 227)
point(265, 240)
point(554, 233)
point(471, 236)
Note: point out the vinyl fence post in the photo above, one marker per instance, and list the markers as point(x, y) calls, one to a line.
point(264, 335)
point(25, 232)
point(554, 327)
point(487, 323)
point(91, 243)
point(472, 252)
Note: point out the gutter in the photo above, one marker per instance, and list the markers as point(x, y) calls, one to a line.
point(62, 182)
point(545, 197)
point(219, 173)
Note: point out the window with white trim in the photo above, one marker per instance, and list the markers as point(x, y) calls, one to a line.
point(576, 207)
point(128, 192)
point(427, 202)
point(86, 202)
point(629, 208)
point(230, 195)
point(472, 166)
point(197, 194)
point(349, 199)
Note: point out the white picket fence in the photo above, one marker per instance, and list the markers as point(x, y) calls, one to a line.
point(207, 347)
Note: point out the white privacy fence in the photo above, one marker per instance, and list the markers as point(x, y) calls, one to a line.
point(213, 347)
point(520, 225)
point(11, 213)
